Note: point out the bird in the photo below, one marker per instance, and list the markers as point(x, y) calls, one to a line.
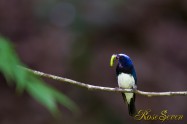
point(126, 78)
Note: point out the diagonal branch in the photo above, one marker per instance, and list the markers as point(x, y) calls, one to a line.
point(108, 89)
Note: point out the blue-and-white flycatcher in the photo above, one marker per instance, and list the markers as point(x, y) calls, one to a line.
point(126, 78)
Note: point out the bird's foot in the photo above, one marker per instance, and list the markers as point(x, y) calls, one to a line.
point(134, 87)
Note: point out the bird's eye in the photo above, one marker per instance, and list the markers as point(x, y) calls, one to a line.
point(118, 57)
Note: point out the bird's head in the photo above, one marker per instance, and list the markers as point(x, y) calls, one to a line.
point(124, 61)
point(125, 64)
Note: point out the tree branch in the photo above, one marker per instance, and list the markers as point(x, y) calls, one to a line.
point(108, 89)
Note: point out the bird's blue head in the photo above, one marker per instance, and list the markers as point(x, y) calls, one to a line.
point(125, 64)
point(124, 61)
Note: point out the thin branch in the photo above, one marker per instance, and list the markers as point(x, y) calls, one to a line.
point(108, 89)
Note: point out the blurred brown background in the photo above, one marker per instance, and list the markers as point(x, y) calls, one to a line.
point(75, 39)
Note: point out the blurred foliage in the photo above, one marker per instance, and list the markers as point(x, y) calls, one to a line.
point(24, 80)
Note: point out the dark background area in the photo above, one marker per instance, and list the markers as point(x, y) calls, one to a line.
point(75, 39)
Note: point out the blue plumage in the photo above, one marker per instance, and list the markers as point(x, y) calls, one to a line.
point(125, 65)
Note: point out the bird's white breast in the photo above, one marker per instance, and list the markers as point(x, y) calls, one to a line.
point(126, 81)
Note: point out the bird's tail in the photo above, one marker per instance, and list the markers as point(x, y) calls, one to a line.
point(132, 107)
point(131, 104)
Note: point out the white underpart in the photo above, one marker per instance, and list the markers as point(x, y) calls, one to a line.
point(126, 81)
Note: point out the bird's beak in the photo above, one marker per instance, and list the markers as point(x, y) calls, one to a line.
point(113, 57)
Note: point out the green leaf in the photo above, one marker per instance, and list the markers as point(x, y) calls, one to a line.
point(24, 80)
point(21, 77)
point(64, 100)
point(38, 91)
